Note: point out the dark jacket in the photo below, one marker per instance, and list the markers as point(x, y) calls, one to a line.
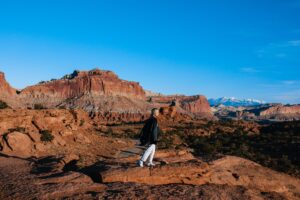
point(149, 133)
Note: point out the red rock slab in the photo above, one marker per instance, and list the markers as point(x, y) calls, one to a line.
point(188, 172)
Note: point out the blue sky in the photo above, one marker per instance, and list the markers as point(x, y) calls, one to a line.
point(245, 49)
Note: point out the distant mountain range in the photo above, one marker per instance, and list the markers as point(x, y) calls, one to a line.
point(231, 101)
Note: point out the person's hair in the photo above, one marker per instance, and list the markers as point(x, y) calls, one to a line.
point(153, 111)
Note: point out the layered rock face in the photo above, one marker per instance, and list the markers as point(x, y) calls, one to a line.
point(101, 93)
point(7, 93)
point(5, 88)
point(273, 112)
point(280, 109)
point(86, 89)
point(197, 104)
point(95, 82)
point(281, 113)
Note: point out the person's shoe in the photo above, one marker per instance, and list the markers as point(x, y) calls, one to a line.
point(151, 164)
point(140, 163)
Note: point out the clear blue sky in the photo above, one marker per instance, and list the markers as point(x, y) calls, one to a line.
point(241, 48)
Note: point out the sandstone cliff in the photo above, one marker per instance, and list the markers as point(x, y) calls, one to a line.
point(7, 93)
point(5, 88)
point(280, 109)
point(196, 105)
point(101, 93)
point(281, 112)
point(86, 89)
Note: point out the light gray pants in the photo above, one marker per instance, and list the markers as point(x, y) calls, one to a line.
point(149, 154)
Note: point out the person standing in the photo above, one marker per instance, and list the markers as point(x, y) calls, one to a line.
point(149, 137)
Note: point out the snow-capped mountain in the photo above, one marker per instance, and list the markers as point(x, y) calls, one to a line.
point(231, 101)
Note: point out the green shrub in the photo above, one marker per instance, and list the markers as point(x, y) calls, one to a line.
point(110, 131)
point(208, 148)
point(62, 107)
point(38, 106)
point(165, 143)
point(3, 105)
point(81, 122)
point(46, 136)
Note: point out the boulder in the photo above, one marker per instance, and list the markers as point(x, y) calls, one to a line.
point(18, 143)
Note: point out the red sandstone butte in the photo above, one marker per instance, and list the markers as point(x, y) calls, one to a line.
point(98, 91)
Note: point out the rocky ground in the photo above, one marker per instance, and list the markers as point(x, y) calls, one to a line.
point(65, 154)
point(177, 175)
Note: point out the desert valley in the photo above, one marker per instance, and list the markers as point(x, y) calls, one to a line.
point(77, 137)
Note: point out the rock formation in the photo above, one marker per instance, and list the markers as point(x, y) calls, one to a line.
point(196, 105)
point(273, 112)
point(21, 131)
point(52, 177)
point(281, 112)
point(5, 88)
point(94, 82)
point(101, 93)
point(7, 93)
point(90, 90)
point(229, 170)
